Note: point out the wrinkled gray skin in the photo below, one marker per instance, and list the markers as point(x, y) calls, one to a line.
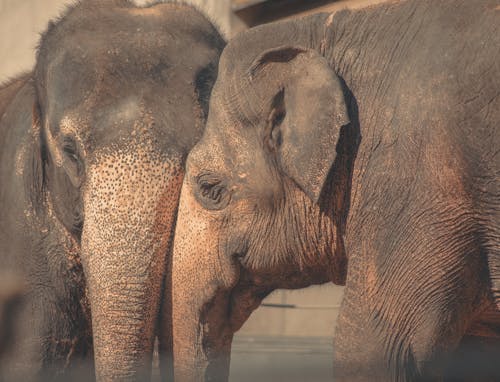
point(92, 150)
point(361, 148)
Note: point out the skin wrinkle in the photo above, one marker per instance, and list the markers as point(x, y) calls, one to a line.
point(351, 5)
point(20, 158)
point(73, 271)
point(416, 296)
point(299, 224)
point(53, 147)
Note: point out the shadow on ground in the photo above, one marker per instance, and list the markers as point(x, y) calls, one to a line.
point(276, 359)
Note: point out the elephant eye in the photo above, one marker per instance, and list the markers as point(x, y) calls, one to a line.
point(212, 192)
point(69, 148)
point(72, 163)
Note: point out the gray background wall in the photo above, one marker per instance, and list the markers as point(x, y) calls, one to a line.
point(21, 22)
point(316, 309)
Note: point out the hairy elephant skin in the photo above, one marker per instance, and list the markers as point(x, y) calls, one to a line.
point(92, 151)
point(359, 147)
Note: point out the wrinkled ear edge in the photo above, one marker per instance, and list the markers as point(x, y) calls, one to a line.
point(278, 54)
point(284, 54)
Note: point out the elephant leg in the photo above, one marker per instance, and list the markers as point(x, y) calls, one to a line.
point(49, 342)
point(404, 315)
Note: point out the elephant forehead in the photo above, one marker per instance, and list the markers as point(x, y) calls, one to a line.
point(225, 155)
point(231, 123)
point(235, 99)
point(208, 154)
point(123, 110)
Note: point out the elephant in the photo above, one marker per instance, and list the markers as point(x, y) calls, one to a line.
point(358, 147)
point(93, 145)
point(11, 299)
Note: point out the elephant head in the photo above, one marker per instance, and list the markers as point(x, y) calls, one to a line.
point(121, 96)
point(255, 210)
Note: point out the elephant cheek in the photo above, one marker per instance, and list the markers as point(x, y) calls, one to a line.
point(130, 203)
point(201, 283)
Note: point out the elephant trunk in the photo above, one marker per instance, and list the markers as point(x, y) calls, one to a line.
point(201, 287)
point(129, 210)
point(202, 339)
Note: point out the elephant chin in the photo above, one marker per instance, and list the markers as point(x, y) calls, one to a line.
point(129, 213)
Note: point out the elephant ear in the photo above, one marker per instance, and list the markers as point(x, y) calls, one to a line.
point(35, 166)
point(308, 110)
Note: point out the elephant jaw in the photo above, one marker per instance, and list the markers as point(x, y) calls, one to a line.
point(130, 203)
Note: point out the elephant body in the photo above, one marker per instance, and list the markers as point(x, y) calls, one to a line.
point(11, 297)
point(93, 144)
point(359, 147)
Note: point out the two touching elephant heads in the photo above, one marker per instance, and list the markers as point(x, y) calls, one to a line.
point(100, 133)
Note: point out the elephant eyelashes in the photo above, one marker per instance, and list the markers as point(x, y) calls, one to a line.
point(69, 148)
point(211, 193)
point(72, 163)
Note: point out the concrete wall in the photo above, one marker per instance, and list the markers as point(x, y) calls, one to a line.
point(21, 21)
point(316, 308)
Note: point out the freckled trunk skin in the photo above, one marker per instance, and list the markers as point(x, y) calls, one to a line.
point(130, 202)
point(202, 333)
